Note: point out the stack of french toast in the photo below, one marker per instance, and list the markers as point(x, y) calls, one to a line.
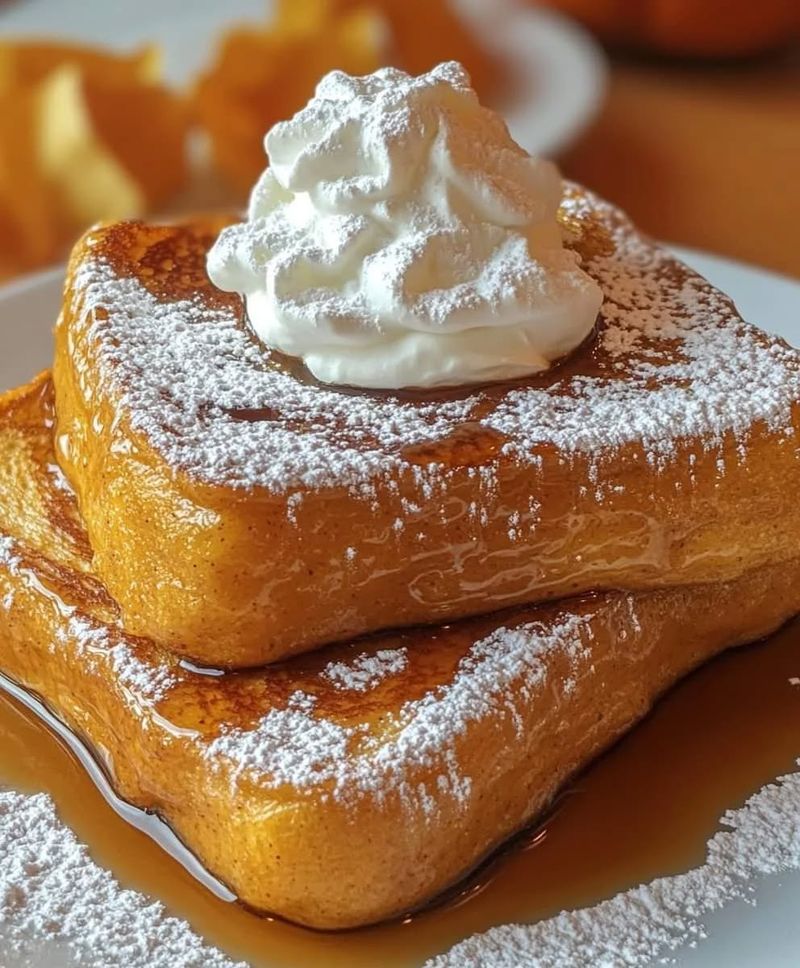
point(346, 643)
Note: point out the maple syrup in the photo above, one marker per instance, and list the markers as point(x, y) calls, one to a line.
point(469, 444)
point(644, 809)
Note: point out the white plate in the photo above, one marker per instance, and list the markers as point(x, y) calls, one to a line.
point(558, 70)
point(740, 936)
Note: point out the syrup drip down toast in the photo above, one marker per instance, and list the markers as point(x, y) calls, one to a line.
point(352, 784)
point(240, 513)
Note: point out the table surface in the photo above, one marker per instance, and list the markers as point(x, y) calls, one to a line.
point(706, 156)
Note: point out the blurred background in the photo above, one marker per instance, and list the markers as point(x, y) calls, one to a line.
point(684, 112)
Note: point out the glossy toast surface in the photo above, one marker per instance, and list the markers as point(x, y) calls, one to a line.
point(240, 513)
point(352, 784)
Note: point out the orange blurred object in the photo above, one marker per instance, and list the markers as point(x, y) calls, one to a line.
point(705, 28)
point(422, 34)
point(84, 135)
point(260, 77)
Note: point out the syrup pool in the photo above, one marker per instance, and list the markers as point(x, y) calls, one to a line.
point(646, 808)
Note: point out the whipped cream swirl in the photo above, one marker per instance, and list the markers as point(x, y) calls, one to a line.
point(401, 238)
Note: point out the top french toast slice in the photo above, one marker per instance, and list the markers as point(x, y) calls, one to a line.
point(240, 513)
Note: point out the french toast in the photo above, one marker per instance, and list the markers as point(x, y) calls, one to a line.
point(352, 784)
point(239, 513)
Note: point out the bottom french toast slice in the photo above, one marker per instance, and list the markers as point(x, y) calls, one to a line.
point(352, 784)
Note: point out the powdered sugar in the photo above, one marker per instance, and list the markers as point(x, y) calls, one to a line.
point(366, 671)
point(182, 369)
point(145, 680)
point(8, 556)
point(52, 891)
point(716, 399)
point(288, 746)
point(139, 677)
point(58, 479)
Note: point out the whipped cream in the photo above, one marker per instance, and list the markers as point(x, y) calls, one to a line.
point(400, 238)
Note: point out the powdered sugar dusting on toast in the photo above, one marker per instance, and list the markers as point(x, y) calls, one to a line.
point(181, 368)
point(726, 380)
point(8, 556)
point(295, 747)
point(365, 671)
point(146, 681)
point(11, 562)
point(50, 890)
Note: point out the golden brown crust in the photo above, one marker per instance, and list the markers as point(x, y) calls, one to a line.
point(315, 793)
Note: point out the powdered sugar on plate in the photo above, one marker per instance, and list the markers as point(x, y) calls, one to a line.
point(648, 922)
point(52, 892)
point(182, 369)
